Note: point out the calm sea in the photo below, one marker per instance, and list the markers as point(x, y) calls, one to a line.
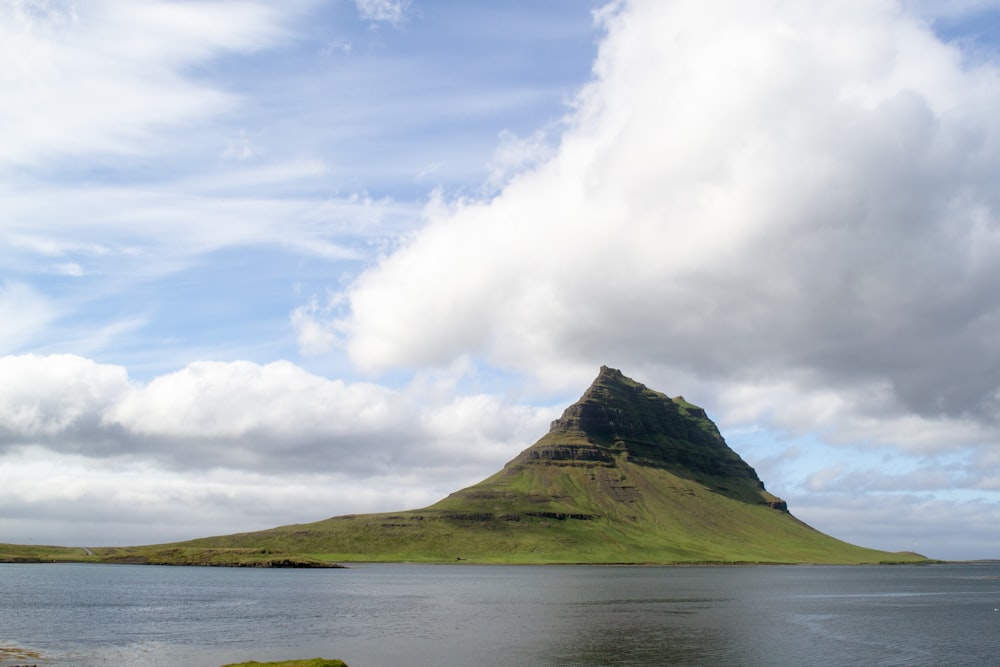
point(444, 615)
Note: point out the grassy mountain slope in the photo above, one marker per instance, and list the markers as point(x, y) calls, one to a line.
point(626, 475)
point(667, 520)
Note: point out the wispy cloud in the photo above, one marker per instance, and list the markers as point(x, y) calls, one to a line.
point(25, 314)
point(107, 76)
point(312, 322)
point(386, 11)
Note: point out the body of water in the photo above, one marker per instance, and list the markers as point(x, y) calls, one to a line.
point(455, 615)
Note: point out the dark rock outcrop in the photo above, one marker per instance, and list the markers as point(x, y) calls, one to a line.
point(618, 418)
point(617, 412)
point(569, 454)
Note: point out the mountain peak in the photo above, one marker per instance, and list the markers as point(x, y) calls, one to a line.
point(616, 414)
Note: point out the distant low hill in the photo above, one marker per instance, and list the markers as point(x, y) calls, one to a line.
point(626, 475)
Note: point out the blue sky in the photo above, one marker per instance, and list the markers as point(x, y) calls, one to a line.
point(264, 263)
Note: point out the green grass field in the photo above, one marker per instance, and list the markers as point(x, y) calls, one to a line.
point(550, 514)
point(538, 514)
point(532, 511)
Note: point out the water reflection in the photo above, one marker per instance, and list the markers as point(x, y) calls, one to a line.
point(636, 616)
point(659, 642)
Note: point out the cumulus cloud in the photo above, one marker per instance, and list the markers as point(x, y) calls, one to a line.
point(753, 194)
point(865, 413)
point(246, 416)
point(51, 398)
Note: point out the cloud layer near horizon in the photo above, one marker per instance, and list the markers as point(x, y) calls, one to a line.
point(91, 455)
point(244, 416)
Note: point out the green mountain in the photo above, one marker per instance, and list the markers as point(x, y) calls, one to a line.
point(626, 475)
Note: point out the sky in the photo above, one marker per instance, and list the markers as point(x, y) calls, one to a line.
point(266, 263)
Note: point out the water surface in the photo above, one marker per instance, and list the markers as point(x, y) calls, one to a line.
point(434, 615)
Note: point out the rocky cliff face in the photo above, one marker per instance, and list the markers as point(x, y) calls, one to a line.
point(619, 416)
point(623, 451)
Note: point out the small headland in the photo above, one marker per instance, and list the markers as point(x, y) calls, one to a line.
point(164, 555)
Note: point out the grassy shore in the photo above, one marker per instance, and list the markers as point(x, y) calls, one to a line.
point(161, 555)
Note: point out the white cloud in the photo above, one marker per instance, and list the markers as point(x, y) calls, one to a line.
point(133, 233)
point(103, 102)
point(60, 395)
point(387, 11)
point(313, 333)
point(863, 413)
point(232, 400)
point(91, 457)
point(938, 528)
point(67, 499)
point(788, 211)
point(750, 193)
point(515, 155)
point(482, 428)
point(245, 416)
point(104, 76)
